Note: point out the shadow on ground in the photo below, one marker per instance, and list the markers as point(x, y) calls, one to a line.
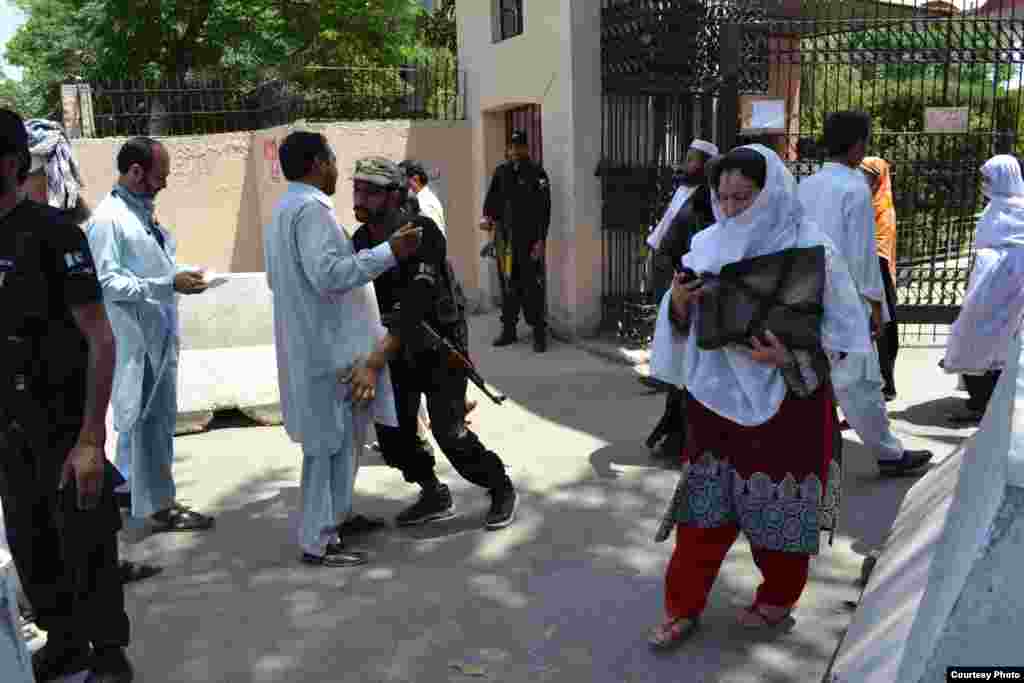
point(567, 593)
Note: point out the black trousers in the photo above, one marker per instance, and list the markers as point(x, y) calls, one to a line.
point(524, 290)
point(445, 389)
point(672, 425)
point(980, 389)
point(889, 340)
point(67, 558)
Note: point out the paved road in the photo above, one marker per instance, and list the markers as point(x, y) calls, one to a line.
point(565, 594)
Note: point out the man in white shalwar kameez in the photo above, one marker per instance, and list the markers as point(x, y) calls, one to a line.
point(135, 263)
point(838, 199)
point(332, 348)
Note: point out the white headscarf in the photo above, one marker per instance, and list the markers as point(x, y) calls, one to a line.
point(993, 306)
point(727, 381)
point(1002, 222)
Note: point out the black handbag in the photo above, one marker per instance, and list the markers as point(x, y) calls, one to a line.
point(781, 292)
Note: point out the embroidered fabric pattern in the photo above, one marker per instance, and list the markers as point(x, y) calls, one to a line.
point(783, 516)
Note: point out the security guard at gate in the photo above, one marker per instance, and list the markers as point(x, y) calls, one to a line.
point(518, 203)
point(424, 289)
point(56, 369)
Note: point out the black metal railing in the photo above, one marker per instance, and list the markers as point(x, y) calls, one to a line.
point(198, 105)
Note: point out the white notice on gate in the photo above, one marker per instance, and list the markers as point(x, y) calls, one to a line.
point(767, 115)
point(945, 120)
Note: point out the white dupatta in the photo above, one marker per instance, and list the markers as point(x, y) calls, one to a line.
point(994, 303)
point(727, 381)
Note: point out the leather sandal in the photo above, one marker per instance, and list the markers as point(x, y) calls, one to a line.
point(135, 571)
point(755, 616)
point(672, 634)
point(181, 518)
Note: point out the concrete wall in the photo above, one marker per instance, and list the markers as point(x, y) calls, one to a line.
point(555, 63)
point(223, 188)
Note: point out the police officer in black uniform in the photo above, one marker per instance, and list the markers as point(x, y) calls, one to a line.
point(518, 204)
point(56, 370)
point(424, 288)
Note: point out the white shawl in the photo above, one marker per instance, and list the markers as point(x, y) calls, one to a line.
point(727, 381)
point(994, 304)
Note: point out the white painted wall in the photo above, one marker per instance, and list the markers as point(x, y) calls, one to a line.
point(555, 63)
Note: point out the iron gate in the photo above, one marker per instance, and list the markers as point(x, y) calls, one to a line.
point(672, 69)
point(660, 77)
point(903, 71)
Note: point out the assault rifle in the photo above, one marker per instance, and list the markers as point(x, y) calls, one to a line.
point(459, 359)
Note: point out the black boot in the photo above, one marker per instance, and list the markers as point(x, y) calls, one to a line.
point(507, 338)
point(540, 339)
point(435, 504)
point(109, 665)
point(504, 502)
point(60, 657)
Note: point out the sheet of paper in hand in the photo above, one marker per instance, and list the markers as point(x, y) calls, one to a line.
point(214, 280)
point(781, 292)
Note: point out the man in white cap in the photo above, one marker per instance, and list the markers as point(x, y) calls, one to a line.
point(688, 213)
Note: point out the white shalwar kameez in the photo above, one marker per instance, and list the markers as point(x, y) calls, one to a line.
point(135, 264)
point(837, 198)
point(430, 206)
point(326, 320)
point(994, 305)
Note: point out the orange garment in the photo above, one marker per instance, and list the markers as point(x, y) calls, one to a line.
point(885, 210)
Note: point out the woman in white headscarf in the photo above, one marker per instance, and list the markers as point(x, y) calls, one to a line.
point(992, 309)
point(742, 468)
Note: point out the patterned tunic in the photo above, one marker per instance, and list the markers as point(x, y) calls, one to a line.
point(779, 482)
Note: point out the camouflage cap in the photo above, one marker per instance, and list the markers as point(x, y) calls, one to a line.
point(379, 171)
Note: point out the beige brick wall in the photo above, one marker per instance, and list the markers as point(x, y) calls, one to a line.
point(222, 188)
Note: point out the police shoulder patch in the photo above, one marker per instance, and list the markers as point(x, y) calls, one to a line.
point(78, 262)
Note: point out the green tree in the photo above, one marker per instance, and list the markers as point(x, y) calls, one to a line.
point(125, 39)
point(14, 95)
point(438, 28)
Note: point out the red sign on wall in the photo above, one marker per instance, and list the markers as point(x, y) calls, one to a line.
point(270, 156)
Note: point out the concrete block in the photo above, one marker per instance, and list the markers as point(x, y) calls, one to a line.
point(227, 354)
point(946, 591)
point(219, 379)
point(237, 314)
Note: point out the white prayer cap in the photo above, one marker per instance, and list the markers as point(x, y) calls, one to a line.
point(708, 148)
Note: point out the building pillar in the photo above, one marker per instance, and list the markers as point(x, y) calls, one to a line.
point(784, 83)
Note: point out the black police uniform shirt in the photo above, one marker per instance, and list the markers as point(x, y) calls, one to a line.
point(46, 268)
point(408, 292)
point(519, 198)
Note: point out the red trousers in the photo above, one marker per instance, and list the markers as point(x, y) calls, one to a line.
point(697, 557)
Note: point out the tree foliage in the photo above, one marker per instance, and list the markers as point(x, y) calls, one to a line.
point(127, 39)
point(438, 28)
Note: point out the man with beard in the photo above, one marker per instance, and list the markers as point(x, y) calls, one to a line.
point(687, 214)
point(518, 203)
point(135, 263)
point(424, 290)
point(332, 349)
